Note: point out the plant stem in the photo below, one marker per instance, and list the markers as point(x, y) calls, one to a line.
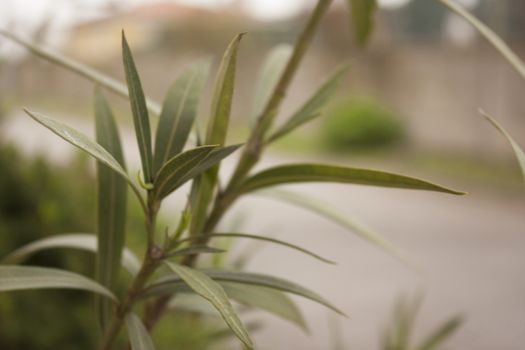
point(255, 144)
point(489, 35)
point(148, 267)
point(252, 150)
point(152, 259)
point(79, 68)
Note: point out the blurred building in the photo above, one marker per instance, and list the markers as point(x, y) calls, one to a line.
point(411, 65)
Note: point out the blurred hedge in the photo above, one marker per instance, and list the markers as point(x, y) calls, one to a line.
point(361, 124)
point(39, 200)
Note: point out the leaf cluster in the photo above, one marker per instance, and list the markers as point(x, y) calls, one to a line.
point(169, 266)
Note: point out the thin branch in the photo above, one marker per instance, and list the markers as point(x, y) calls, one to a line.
point(490, 35)
point(252, 150)
point(254, 146)
point(79, 68)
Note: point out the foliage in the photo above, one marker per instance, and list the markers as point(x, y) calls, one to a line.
point(360, 124)
point(170, 267)
point(35, 201)
point(506, 52)
point(362, 12)
point(398, 335)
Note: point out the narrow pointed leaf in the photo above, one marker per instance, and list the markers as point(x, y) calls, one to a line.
point(441, 334)
point(178, 112)
point(187, 300)
point(213, 158)
point(489, 35)
point(223, 95)
point(111, 206)
point(196, 249)
point(173, 174)
point(269, 75)
point(362, 13)
point(200, 197)
point(79, 68)
point(201, 191)
point(81, 141)
point(298, 173)
point(139, 111)
point(14, 278)
point(214, 293)
point(216, 132)
point(311, 109)
point(260, 238)
point(404, 320)
point(518, 151)
point(267, 299)
point(271, 300)
point(226, 333)
point(188, 165)
point(138, 335)
point(170, 284)
point(325, 210)
point(80, 241)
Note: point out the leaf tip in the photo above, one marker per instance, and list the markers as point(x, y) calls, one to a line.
point(459, 193)
point(125, 44)
point(29, 113)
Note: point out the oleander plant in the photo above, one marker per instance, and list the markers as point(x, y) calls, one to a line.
point(134, 292)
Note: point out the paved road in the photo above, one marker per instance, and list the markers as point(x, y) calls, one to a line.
point(471, 251)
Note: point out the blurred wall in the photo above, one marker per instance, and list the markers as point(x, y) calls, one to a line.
point(435, 85)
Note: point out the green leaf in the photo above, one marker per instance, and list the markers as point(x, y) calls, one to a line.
point(226, 333)
point(188, 165)
point(223, 95)
point(81, 141)
point(518, 151)
point(139, 110)
point(81, 241)
point(270, 73)
point(138, 335)
point(490, 36)
point(441, 334)
point(112, 203)
point(261, 238)
point(170, 284)
point(188, 301)
point(195, 249)
point(14, 278)
point(178, 112)
point(323, 209)
point(173, 174)
point(271, 300)
point(297, 173)
point(78, 68)
point(214, 293)
point(267, 299)
point(405, 314)
point(200, 197)
point(311, 109)
point(203, 187)
point(362, 13)
point(202, 190)
point(213, 158)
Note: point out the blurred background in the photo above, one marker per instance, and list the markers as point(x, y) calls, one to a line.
point(409, 104)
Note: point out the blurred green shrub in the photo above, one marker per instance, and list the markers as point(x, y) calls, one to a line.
point(37, 200)
point(361, 124)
